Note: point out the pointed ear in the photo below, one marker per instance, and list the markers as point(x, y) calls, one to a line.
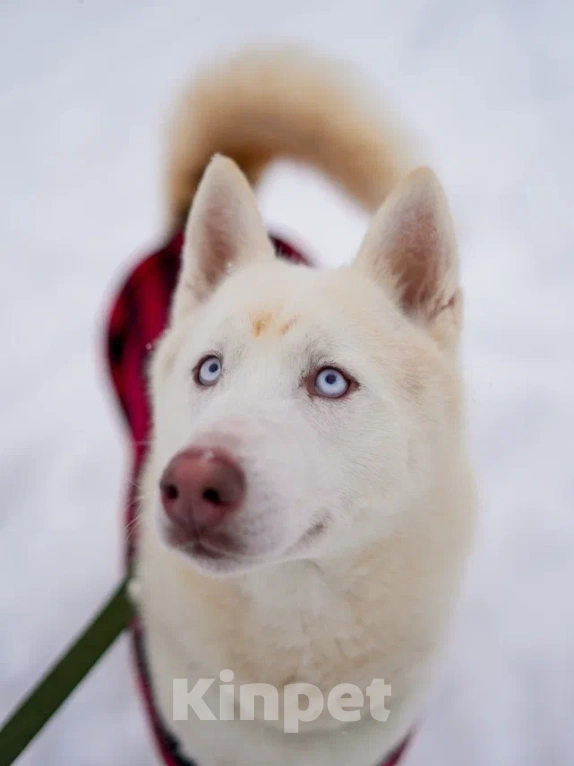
point(410, 246)
point(224, 230)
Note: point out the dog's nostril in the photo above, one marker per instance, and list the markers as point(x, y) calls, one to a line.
point(171, 492)
point(212, 495)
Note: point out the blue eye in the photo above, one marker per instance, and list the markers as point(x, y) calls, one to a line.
point(331, 383)
point(209, 371)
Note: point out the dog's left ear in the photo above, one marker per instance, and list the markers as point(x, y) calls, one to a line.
point(410, 247)
point(224, 230)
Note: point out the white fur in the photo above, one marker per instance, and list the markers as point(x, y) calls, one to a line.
point(359, 511)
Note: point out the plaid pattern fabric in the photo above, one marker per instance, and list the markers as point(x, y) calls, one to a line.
point(138, 316)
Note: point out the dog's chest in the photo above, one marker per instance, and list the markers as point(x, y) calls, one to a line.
point(297, 628)
point(302, 631)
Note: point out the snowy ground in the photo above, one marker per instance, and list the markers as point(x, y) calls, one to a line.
point(489, 86)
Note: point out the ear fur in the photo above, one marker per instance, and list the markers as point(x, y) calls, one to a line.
point(224, 230)
point(410, 246)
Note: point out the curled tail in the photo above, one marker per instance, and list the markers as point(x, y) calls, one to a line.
point(284, 104)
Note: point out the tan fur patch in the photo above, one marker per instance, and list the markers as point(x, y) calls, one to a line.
point(264, 322)
point(286, 326)
point(261, 322)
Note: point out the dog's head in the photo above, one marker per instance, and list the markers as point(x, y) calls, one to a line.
point(299, 412)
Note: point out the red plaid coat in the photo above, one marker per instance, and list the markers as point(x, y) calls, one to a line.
point(137, 318)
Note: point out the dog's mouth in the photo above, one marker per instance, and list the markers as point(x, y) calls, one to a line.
point(219, 548)
point(186, 539)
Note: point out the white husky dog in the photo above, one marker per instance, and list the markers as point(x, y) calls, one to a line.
point(307, 503)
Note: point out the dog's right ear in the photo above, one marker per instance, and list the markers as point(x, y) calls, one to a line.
point(224, 230)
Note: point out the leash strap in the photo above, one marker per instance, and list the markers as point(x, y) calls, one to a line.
point(64, 676)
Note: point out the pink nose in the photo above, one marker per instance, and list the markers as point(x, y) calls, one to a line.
point(200, 487)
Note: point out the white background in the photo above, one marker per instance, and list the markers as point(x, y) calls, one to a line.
point(84, 87)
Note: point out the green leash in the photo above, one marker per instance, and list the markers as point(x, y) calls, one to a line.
point(57, 685)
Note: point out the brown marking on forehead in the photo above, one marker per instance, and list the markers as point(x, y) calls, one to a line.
point(264, 321)
point(261, 322)
point(286, 326)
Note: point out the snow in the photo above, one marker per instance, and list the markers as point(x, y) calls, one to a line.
point(85, 86)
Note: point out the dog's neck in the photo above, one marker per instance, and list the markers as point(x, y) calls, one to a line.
point(294, 586)
point(309, 586)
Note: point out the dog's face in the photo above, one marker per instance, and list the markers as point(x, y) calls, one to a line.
point(300, 412)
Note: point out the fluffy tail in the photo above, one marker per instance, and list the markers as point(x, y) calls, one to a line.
point(260, 106)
